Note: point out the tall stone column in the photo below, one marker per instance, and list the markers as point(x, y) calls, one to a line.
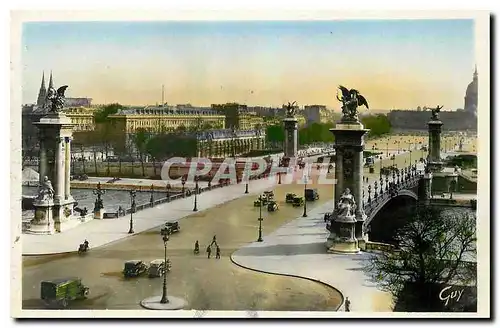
point(59, 169)
point(42, 161)
point(67, 168)
point(291, 139)
point(434, 159)
point(346, 230)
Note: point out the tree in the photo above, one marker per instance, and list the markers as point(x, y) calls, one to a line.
point(140, 140)
point(275, 135)
point(106, 130)
point(378, 124)
point(433, 247)
point(316, 132)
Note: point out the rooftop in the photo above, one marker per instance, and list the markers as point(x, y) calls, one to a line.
point(168, 110)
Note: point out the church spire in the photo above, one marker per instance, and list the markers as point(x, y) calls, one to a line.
point(42, 94)
point(475, 73)
point(51, 84)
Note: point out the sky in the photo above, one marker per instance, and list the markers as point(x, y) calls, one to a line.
point(393, 63)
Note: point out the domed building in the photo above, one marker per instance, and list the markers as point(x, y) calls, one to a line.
point(470, 105)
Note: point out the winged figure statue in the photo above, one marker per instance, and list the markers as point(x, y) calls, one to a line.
point(351, 100)
point(290, 109)
point(435, 112)
point(56, 98)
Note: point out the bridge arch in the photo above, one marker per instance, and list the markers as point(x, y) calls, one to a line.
point(390, 215)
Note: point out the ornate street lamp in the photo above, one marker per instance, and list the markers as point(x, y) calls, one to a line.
point(98, 205)
point(195, 208)
point(132, 210)
point(165, 233)
point(260, 219)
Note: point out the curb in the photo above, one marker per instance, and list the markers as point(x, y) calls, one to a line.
point(292, 276)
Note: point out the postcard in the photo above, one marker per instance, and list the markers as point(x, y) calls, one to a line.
point(250, 166)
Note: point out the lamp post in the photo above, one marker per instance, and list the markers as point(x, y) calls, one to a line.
point(132, 210)
point(183, 182)
point(168, 191)
point(195, 208)
point(306, 176)
point(387, 150)
point(165, 233)
point(260, 219)
point(98, 205)
point(409, 148)
point(246, 180)
point(152, 199)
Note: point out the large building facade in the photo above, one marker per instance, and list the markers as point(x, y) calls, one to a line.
point(239, 117)
point(166, 119)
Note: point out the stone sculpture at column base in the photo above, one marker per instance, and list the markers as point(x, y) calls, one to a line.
point(63, 214)
point(43, 222)
point(342, 226)
point(341, 239)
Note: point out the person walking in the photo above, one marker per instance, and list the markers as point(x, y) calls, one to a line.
point(217, 252)
point(196, 247)
point(347, 305)
point(209, 251)
point(214, 240)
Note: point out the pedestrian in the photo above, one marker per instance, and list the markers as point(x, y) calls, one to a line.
point(214, 240)
point(217, 252)
point(196, 247)
point(347, 305)
point(209, 251)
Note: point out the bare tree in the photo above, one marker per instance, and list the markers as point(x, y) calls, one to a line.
point(434, 248)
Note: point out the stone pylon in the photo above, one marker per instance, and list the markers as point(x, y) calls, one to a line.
point(346, 234)
point(291, 137)
point(434, 162)
point(55, 136)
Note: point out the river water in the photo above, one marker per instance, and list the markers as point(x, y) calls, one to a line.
point(111, 199)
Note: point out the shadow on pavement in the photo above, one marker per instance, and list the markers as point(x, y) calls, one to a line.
point(284, 249)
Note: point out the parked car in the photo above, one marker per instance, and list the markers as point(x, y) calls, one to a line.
point(134, 268)
point(268, 194)
point(272, 206)
point(298, 201)
point(311, 194)
point(289, 198)
point(157, 268)
point(172, 226)
point(59, 292)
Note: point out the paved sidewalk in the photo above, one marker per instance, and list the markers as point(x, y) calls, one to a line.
point(298, 249)
point(101, 232)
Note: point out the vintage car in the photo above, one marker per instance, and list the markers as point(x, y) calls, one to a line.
point(157, 268)
point(311, 194)
point(59, 292)
point(289, 198)
point(268, 194)
point(134, 268)
point(272, 206)
point(298, 201)
point(172, 226)
point(264, 201)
